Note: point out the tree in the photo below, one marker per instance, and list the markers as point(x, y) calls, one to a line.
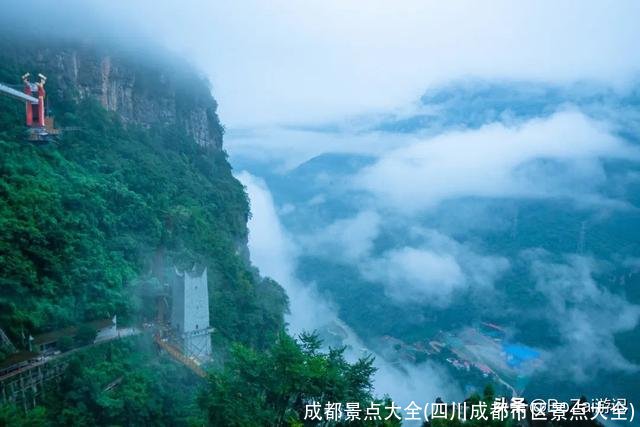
point(274, 387)
point(65, 343)
point(11, 415)
point(86, 334)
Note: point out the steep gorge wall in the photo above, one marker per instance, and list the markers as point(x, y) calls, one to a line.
point(141, 88)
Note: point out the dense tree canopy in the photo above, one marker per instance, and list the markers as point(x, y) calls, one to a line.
point(88, 225)
point(82, 219)
point(273, 388)
point(120, 383)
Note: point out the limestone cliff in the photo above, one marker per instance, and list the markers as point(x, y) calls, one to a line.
point(141, 88)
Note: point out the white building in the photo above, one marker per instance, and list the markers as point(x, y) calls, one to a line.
point(190, 313)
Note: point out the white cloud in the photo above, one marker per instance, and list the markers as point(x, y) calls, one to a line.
point(420, 383)
point(348, 239)
point(434, 271)
point(286, 61)
point(419, 274)
point(586, 314)
point(283, 62)
point(289, 148)
point(274, 253)
point(431, 271)
point(497, 161)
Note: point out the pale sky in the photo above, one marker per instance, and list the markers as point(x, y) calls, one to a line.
point(299, 62)
point(278, 63)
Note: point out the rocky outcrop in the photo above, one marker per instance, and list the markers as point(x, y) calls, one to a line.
point(142, 90)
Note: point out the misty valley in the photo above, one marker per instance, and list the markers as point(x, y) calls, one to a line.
point(494, 278)
point(320, 214)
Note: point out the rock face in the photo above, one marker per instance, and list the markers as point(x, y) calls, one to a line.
point(143, 90)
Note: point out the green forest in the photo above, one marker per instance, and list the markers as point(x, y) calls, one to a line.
point(91, 221)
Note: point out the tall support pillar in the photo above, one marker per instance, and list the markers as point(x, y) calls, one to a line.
point(41, 381)
point(24, 397)
point(41, 95)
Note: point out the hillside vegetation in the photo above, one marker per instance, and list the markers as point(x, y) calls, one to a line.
point(83, 219)
point(90, 223)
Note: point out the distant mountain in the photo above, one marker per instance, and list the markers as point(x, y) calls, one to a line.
point(471, 104)
point(566, 260)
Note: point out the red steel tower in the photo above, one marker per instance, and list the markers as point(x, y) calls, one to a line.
point(35, 111)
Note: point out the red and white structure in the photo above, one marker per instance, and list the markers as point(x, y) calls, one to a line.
point(33, 95)
point(35, 111)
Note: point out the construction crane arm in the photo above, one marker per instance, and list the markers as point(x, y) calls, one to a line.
point(16, 94)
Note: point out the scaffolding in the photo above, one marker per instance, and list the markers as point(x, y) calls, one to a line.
point(25, 385)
